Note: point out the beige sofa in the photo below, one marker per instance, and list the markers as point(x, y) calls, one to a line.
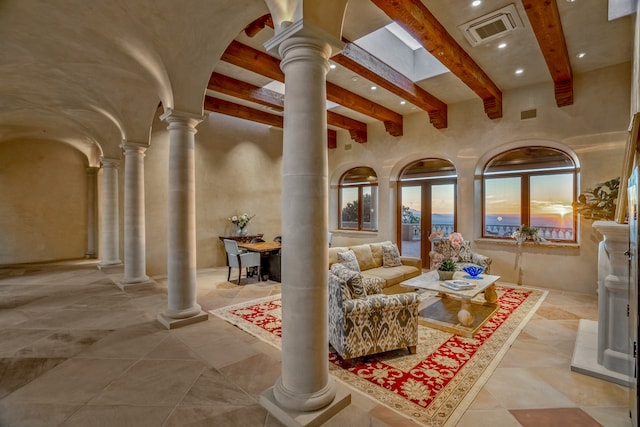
point(369, 256)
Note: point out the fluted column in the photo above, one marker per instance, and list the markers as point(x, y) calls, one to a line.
point(181, 226)
point(92, 190)
point(134, 219)
point(304, 228)
point(110, 231)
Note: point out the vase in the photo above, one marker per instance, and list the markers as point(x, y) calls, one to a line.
point(445, 275)
point(242, 231)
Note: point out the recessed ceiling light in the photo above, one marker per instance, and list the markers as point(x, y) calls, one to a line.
point(476, 3)
point(354, 78)
point(519, 71)
point(581, 54)
point(570, 1)
point(403, 102)
point(374, 87)
point(502, 45)
point(332, 66)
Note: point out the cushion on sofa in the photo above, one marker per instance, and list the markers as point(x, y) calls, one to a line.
point(390, 256)
point(333, 254)
point(376, 250)
point(392, 276)
point(352, 280)
point(364, 256)
point(349, 260)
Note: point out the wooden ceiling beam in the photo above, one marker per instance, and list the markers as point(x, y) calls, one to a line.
point(269, 98)
point(544, 18)
point(415, 18)
point(229, 108)
point(258, 62)
point(370, 67)
point(243, 90)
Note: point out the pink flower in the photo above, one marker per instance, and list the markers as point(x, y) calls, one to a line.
point(456, 239)
point(436, 235)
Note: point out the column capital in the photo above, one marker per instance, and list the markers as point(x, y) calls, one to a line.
point(92, 170)
point(140, 147)
point(109, 163)
point(301, 31)
point(172, 116)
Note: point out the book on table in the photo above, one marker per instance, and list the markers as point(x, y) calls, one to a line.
point(458, 285)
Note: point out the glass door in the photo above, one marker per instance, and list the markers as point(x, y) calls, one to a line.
point(426, 207)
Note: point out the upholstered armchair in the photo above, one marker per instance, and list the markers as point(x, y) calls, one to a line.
point(463, 254)
point(241, 259)
point(364, 321)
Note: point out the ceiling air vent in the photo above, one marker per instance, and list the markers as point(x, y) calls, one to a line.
point(492, 26)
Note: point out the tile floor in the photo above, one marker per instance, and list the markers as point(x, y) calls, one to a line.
point(75, 350)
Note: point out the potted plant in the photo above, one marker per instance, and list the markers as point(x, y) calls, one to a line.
point(525, 232)
point(445, 266)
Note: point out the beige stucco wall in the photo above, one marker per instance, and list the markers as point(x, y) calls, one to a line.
point(43, 214)
point(237, 169)
point(594, 129)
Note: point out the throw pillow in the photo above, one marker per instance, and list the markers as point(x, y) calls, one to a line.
point(353, 279)
point(390, 256)
point(349, 260)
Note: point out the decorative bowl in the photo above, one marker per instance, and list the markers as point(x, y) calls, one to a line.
point(473, 271)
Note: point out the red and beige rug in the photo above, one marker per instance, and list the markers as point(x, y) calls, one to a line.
point(434, 386)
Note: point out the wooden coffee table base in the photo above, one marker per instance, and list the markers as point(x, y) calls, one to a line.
point(444, 312)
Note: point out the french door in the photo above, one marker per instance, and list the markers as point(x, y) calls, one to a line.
point(425, 207)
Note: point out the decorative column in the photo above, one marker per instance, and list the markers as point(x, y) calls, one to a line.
point(134, 223)
point(181, 226)
point(92, 190)
point(305, 384)
point(613, 297)
point(110, 239)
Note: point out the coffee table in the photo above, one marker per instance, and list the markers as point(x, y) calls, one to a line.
point(456, 310)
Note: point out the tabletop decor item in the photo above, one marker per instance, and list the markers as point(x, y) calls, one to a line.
point(473, 271)
point(525, 232)
point(241, 222)
point(445, 266)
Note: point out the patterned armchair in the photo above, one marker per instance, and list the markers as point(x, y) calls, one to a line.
point(363, 320)
point(464, 255)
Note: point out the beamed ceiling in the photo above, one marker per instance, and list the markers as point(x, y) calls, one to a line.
point(92, 74)
point(545, 43)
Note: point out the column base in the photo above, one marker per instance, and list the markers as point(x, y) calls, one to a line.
point(293, 418)
point(116, 267)
point(585, 355)
point(171, 323)
point(131, 285)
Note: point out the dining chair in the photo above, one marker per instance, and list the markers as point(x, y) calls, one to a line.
point(240, 259)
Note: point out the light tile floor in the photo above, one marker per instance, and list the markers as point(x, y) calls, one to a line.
point(75, 350)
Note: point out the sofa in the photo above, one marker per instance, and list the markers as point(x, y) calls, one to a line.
point(463, 254)
point(370, 258)
point(364, 321)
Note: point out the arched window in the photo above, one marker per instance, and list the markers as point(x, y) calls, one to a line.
point(427, 203)
point(359, 199)
point(535, 186)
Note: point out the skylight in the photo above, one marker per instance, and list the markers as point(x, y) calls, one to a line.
point(394, 46)
point(404, 37)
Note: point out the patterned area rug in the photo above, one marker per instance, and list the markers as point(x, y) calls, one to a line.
point(434, 386)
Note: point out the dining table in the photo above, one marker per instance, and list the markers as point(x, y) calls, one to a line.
point(269, 257)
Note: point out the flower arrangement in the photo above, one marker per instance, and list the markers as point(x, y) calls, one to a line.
point(525, 232)
point(441, 262)
point(241, 221)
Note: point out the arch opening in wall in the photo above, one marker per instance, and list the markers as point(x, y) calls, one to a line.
point(534, 186)
point(426, 204)
point(358, 205)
